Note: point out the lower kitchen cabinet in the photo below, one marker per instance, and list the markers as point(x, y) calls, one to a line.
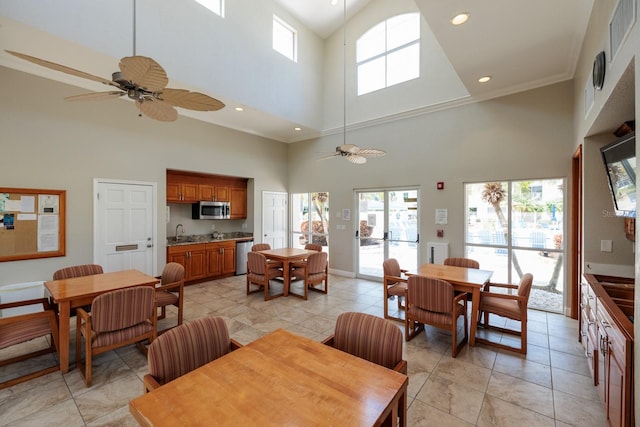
point(204, 260)
point(221, 258)
point(192, 258)
point(607, 335)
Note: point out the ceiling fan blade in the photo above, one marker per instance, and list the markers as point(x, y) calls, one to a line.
point(144, 72)
point(157, 110)
point(370, 152)
point(190, 100)
point(61, 68)
point(95, 96)
point(349, 148)
point(358, 160)
point(328, 157)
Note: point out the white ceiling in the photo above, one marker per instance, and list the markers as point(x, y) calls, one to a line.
point(522, 44)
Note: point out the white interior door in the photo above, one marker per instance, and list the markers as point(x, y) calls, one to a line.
point(274, 219)
point(124, 225)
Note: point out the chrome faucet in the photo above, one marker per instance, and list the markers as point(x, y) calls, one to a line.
point(182, 228)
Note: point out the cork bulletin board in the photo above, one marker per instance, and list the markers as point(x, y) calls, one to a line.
point(32, 223)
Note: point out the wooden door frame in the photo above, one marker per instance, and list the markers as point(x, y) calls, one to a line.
point(576, 233)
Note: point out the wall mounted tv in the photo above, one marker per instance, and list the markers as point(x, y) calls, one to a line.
point(619, 159)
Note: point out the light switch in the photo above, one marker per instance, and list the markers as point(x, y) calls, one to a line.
point(606, 245)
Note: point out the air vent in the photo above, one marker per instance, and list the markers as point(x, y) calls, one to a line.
point(621, 23)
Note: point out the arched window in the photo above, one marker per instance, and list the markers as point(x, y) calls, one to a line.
point(389, 53)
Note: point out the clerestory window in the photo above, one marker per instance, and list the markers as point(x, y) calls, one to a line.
point(389, 53)
point(285, 39)
point(215, 6)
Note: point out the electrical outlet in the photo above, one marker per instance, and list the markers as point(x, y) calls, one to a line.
point(244, 225)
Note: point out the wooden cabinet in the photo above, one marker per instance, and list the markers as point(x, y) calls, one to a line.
point(238, 203)
point(191, 257)
point(204, 260)
point(610, 308)
point(189, 187)
point(182, 193)
point(214, 193)
point(221, 258)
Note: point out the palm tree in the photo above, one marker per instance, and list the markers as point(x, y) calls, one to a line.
point(319, 201)
point(494, 194)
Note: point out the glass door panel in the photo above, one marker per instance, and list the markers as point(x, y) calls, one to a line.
point(371, 233)
point(387, 228)
point(403, 228)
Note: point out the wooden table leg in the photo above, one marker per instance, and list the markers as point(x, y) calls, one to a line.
point(63, 333)
point(285, 277)
point(402, 410)
point(475, 304)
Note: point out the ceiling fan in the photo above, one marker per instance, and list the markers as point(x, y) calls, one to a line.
point(355, 154)
point(141, 79)
point(351, 152)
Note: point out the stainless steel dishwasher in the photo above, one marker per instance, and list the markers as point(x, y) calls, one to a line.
point(242, 247)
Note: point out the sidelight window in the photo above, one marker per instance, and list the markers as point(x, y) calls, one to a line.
point(517, 227)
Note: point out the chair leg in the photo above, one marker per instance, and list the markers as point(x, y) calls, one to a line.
point(88, 359)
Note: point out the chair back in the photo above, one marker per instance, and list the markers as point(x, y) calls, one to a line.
point(260, 247)
point(313, 247)
point(77, 271)
point(525, 286)
point(172, 272)
point(316, 263)
point(122, 308)
point(430, 294)
point(187, 347)
point(391, 267)
point(256, 263)
point(462, 262)
point(369, 337)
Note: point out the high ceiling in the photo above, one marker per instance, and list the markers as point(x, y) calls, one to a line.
point(521, 44)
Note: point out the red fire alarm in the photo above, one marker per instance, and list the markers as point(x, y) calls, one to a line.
point(440, 185)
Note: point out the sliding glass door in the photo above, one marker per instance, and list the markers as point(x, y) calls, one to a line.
point(387, 228)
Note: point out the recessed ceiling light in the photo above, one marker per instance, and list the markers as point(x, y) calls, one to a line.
point(460, 18)
point(239, 109)
point(484, 79)
point(334, 2)
point(297, 129)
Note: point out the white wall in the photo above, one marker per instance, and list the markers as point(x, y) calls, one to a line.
point(523, 136)
point(50, 143)
point(230, 58)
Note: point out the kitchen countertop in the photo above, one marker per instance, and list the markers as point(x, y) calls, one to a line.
point(207, 238)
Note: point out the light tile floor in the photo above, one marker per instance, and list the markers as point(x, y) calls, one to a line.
point(551, 386)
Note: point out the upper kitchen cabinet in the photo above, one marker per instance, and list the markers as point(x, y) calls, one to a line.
point(182, 192)
point(189, 187)
point(238, 203)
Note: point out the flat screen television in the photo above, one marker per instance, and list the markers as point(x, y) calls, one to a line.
point(619, 159)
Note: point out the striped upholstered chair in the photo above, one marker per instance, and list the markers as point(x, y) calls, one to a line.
point(432, 301)
point(369, 337)
point(260, 273)
point(313, 247)
point(77, 271)
point(462, 262)
point(185, 348)
point(394, 284)
point(313, 271)
point(20, 328)
point(171, 290)
point(265, 247)
point(117, 318)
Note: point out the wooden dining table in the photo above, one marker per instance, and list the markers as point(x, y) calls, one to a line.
point(463, 279)
point(80, 291)
point(286, 256)
point(281, 379)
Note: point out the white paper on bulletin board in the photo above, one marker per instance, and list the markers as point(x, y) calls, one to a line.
point(441, 216)
point(48, 227)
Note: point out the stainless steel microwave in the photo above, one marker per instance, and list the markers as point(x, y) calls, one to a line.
point(211, 210)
